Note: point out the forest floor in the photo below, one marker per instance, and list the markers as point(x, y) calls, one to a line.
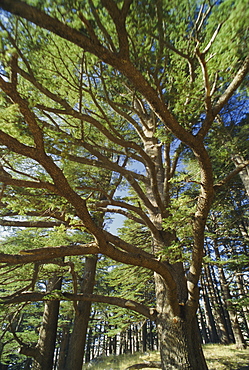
point(219, 357)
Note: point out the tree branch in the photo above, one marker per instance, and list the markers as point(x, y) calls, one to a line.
point(43, 224)
point(119, 17)
point(239, 77)
point(30, 118)
point(45, 254)
point(51, 296)
point(28, 184)
point(236, 82)
point(235, 172)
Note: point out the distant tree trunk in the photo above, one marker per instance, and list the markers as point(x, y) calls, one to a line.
point(151, 343)
point(203, 327)
point(216, 305)
point(239, 339)
point(43, 353)
point(243, 293)
point(214, 338)
point(88, 345)
point(78, 337)
point(144, 336)
point(236, 330)
point(3, 367)
point(63, 348)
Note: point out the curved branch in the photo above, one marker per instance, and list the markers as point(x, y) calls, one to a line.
point(123, 213)
point(239, 77)
point(129, 255)
point(119, 17)
point(235, 172)
point(236, 82)
point(51, 296)
point(132, 208)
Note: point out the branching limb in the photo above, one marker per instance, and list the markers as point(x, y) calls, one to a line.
point(212, 39)
point(132, 208)
point(102, 28)
point(119, 18)
point(235, 172)
point(239, 77)
point(203, 64)
point(236, 82)
point(124, 213)
point(30, 117)
point(112, 246)
point(27, 184)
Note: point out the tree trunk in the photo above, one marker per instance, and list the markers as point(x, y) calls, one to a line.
point(214, 296)
point(78, 337)
point(245, 308)
point(180, 346)
point(205, 335)
point(214, 338)
point(144, 336)
point(43, 353)
point(179, 338)
point(63, 348)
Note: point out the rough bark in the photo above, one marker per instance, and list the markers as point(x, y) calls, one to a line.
point(179, 340)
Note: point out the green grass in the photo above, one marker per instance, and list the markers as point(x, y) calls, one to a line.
point(219, 357)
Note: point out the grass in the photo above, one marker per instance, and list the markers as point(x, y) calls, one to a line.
point(219, 357)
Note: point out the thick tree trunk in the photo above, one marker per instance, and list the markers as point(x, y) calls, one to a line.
point(180, 346)
point(179, 338)
point(78, 337)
